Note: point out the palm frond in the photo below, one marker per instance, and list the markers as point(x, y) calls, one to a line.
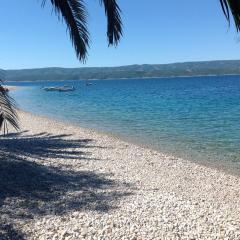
point(75, 15)
point(8, 115)
point(114, 28)
point(232, 6)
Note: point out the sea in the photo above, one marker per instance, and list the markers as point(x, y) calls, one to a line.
point(196, 118)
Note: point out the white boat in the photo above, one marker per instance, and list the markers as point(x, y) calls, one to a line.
point(66, 89)
point(59, 89)
point(48, 89)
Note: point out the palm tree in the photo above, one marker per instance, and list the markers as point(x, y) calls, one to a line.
point(74, 14)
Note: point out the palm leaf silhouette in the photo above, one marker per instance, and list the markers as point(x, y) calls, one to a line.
point(114, 29)
point(8, 113)
point(232, 6)
point(74, 14)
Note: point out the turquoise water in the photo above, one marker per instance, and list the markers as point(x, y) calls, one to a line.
point(196, 118)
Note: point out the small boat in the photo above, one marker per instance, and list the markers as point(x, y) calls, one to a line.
point(88, 83)
point(66, 89)
point(59, 89)
point(50, 89)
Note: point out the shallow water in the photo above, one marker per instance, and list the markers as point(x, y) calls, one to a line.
point(196, 118)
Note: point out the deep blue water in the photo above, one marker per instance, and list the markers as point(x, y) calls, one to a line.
point(196, 118)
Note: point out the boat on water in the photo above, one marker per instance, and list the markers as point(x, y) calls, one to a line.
point(88, 83)
point(66, 89)
point(59, 89)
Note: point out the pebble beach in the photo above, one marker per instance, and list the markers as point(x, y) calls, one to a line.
point(59, 181)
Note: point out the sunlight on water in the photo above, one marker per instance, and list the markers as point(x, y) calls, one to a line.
point(197, 118)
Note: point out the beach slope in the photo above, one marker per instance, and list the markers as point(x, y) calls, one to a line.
point(59, 181)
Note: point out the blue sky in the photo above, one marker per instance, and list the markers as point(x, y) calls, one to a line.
point(155, 31)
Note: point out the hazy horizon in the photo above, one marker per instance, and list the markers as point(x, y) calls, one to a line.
point(138, 64)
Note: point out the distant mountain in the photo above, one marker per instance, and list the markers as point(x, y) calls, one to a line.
point(131, 71)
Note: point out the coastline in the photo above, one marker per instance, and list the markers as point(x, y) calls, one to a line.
point(119, 189)
point(137, 78)
point(219, 165)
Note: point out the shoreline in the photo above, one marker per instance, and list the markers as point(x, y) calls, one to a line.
point(68, 182)
point(219, 165)
point(11, 88)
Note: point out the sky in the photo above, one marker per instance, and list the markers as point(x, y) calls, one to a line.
point(155, 32)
